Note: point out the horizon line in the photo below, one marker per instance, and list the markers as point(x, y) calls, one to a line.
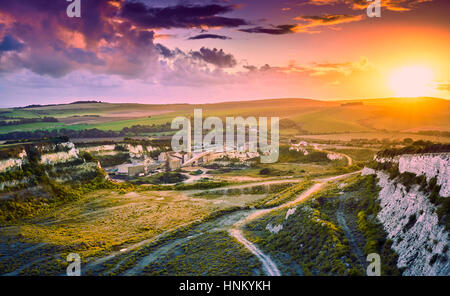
point(219, 102)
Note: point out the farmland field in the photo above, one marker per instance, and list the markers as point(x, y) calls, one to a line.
point(375, 117)
point(347, 137)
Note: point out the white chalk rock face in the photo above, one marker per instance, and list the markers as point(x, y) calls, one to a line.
point(411, 222)
point(368, 171)
point(61, 157)
point(13, 163)
point(386, 159)
point(10, 164)
point(136, 151)
point(334, 156)
point(274, 229)
point(98, 149)
point(431, 165)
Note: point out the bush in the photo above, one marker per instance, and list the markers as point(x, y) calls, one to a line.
point(88, 157)
point(411, 222)
point(416, 147)
point(293, 156)
point(112, 160)
point(196, 173)
point(265, 171)
point(201, 185)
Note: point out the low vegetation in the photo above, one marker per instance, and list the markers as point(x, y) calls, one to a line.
point(416, 147)
point(312, 240)
point(216, 254)
point(283, 196)
point(253, 190)
point(160, 178)
point(287, 155)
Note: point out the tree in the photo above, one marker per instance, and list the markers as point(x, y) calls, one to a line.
point(408, 141)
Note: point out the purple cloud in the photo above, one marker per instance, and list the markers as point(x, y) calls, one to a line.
point(179, 16)
point(209, 36)
point(276, 30)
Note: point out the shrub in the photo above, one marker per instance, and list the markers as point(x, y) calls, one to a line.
point(411, 221)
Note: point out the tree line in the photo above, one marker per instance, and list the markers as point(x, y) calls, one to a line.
point(27, 121)
point(415, 148)
point(85, 133)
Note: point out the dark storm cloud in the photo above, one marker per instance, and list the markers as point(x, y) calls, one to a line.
point(48, 34)
point(10, 44)
point(179, 16)
point(215, 57)
point(275, 30)
point(209, 36)
point(48, 16)
point(112, 36)
point(164, 51)
point(167, 53)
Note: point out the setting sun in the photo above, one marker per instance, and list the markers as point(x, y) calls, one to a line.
point(411, 81)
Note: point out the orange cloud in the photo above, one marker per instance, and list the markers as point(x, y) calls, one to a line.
point(314, 21)
point(393, 5)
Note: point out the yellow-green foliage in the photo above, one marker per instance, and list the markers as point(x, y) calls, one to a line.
point(107, 219)
point(310, 238)
point(212, 254)
point(285, 195)
point(314, 237)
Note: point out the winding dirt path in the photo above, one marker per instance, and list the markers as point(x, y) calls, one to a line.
point(268, 265)
point(236, 231)
point(349, 159)
point(233, 223)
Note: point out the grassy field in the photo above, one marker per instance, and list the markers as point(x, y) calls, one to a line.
point(32, 127)
point(119, 125)
point(333, 120)
point(107, 219)
point(212, 254)
point(302, 170)
point(357, 154)
point(312, 116)
point(102, 222)
point(397, 136)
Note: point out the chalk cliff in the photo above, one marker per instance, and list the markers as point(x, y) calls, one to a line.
point(409, 217)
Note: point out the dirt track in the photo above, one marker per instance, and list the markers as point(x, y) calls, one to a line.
point(269, 266)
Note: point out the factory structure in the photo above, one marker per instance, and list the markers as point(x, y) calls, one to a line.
point(141, 164)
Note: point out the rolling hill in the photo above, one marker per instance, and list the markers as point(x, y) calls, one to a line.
point(312, 116)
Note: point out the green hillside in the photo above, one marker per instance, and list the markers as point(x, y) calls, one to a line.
point(312, 116)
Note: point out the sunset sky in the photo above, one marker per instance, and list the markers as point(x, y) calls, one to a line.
point(206, 51)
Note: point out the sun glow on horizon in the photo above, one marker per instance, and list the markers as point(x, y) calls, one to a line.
point(412, 81)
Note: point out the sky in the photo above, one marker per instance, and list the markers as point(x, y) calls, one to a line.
point(206, 51)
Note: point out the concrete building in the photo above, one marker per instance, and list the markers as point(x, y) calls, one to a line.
point(175, 161)
point(131, 169)
point(136, 170)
